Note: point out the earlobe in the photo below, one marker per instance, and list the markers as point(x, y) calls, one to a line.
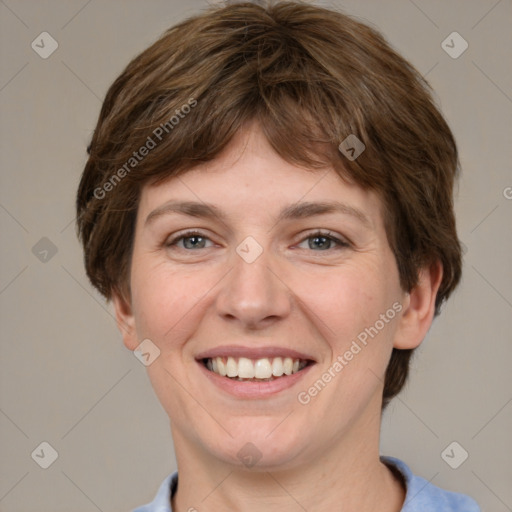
point(418, 314)
point(125, 320)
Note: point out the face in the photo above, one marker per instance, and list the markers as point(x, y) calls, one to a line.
point(269, 268)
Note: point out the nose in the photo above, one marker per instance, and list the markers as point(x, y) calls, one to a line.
point(254, 295)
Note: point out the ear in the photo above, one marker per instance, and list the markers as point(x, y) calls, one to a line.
point(419, 308)
point(125, 320)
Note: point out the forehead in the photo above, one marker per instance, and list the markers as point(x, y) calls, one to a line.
point(249, 177)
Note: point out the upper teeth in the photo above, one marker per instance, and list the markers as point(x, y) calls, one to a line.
point(245, 368)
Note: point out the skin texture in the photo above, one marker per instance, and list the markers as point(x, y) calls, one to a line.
point(301, 293)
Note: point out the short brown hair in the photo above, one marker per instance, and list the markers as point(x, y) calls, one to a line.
point(311, 77)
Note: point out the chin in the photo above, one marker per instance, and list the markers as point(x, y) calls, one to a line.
point(257, 450)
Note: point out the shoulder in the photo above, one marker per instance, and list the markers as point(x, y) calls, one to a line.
point(162, 500)
point(423, 496)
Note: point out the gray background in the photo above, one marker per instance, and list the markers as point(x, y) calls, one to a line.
point(65, 376)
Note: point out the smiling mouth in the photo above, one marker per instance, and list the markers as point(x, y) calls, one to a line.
point(255, 370)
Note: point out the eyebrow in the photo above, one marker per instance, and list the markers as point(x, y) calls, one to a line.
point(294, 211)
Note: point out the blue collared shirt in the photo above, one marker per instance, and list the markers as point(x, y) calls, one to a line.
point(421, 495)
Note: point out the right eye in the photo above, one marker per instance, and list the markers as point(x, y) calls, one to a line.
point(191, 240)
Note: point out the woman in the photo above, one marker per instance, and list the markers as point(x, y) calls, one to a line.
point(268, 204)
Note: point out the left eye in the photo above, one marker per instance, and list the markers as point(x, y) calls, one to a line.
point(323, 241)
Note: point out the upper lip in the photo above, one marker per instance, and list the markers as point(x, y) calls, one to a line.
point(252, 352)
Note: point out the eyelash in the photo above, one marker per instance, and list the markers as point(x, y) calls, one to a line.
point(324, 234)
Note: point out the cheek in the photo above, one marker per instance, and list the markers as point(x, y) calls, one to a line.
point(350, 305)
point(346, 302)
point(167, 301)
point(159, 299)
point(361, 323)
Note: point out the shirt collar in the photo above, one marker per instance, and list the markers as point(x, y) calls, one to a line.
point(418, 492)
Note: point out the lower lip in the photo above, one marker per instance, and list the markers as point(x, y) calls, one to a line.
point(254, 389)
